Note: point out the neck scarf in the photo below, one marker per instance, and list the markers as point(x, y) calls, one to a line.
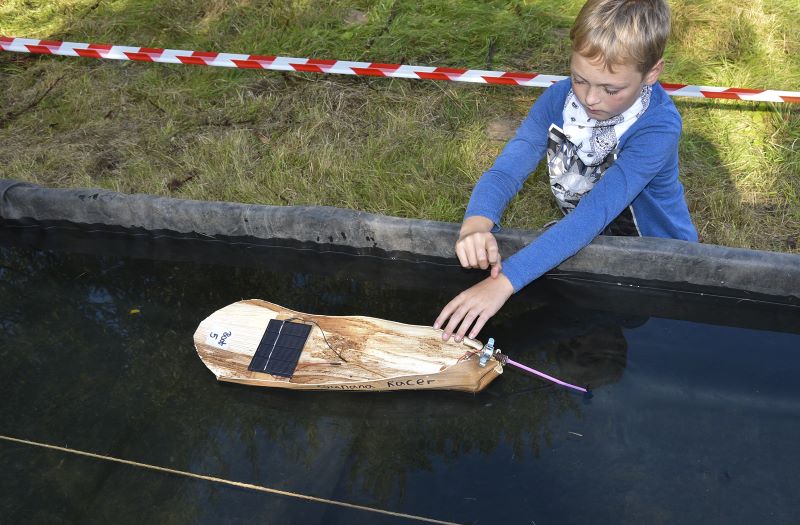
point(595, 139)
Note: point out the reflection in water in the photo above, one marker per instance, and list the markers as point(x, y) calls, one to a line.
point(587, 346)
point(98, 356)
point(90, 372)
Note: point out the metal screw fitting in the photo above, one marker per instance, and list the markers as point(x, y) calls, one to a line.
point(487, 352)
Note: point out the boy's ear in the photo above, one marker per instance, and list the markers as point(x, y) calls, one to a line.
point(651, 77)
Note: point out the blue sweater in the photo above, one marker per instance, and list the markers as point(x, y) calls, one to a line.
point(644, 176)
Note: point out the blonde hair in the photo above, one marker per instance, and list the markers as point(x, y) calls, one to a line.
point(618, 32)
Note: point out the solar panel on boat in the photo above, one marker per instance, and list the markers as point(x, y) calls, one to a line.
point(280, 348)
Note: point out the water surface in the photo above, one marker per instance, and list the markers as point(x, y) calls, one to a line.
point(691, 420)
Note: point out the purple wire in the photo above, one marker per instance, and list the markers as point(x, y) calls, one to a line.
point(542, 374)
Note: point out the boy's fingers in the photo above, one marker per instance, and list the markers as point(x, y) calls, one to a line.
point(449, 311)
point(478, 325)
point(497, 267)
point(445, 313)
point(478, 251)
point(492, 251)
point(469, 318)
point(455, 319)
point(465, 251)
point(462, 256)
point(483, 260)
point(472, 257)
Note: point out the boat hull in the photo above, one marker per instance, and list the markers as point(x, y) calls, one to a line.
point(351, 353)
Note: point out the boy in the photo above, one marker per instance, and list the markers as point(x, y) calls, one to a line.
point(610, 133)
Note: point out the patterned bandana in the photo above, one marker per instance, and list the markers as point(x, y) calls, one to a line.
point(594, 138)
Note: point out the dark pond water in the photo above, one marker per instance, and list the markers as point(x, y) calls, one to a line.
point(694, 419)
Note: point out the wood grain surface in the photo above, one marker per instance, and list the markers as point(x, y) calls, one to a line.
point(342, 352)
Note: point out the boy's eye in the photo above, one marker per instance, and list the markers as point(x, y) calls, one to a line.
point(611, 92)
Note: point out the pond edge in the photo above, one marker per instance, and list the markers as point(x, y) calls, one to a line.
point(625, 260)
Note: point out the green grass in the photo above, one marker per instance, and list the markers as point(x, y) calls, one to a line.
point(399, 147)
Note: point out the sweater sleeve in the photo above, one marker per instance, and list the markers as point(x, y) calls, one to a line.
point(498, 185)
point(643, 155)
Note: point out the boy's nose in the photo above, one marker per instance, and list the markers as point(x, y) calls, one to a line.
point(592, 96)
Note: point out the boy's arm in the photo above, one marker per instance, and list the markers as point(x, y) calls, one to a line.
point(476, 246)
point(500, 183)
point(645, 154)
point(489, 198)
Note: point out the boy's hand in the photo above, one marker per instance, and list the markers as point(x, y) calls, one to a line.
point(477, 247)
point(474, 305)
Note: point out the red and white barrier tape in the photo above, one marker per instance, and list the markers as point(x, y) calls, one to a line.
point(344, 67)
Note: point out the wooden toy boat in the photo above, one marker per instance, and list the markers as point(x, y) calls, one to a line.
point(262, 344)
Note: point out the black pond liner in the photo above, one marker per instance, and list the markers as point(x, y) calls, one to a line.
point(690, 421)
point(654, 263)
